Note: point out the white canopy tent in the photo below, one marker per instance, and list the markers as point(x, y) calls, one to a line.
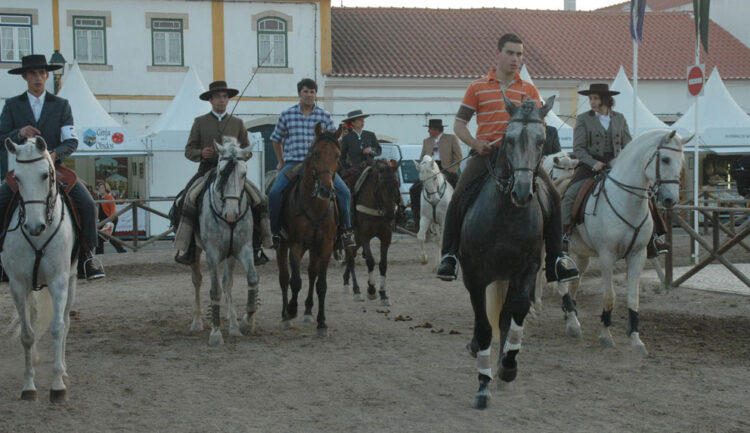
point(624, 104)
point(98, 133)
point(564, 131)
point(724, 126)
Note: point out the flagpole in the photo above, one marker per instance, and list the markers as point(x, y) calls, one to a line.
point(635, 88)
point(696, 141)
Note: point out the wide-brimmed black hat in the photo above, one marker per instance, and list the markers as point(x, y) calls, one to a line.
point(599, 89)
point(34, 61)
point(218, 86)
point(356, 114)
point(435, 123)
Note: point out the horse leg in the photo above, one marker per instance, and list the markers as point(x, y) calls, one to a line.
point(483, 337)
point(282, 258)
point(424, 225)
point(321, 287)
point(226, 284)
point(312, 274)
point(195, 268)
point(215, 338)
point(295, 257)
point(635, 267)
point(568, 293)
point(72, 284)
point(59, 292)
point(607, 263)
point(511, 326)
point(247, 324)
point(350, 267)
point(370, 261)
point(21, 300)
point(537, 291)
point(385, 243)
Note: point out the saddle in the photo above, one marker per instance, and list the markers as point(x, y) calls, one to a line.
point(66, 180)
point(579, 205)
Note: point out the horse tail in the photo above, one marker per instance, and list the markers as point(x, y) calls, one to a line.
point(40, 312)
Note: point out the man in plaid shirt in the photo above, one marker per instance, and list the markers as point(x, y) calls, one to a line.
point(294, 133)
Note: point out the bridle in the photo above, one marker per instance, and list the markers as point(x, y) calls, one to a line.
point(316, 180)
point(223, 199)
point(503, 183)
point(50, 202)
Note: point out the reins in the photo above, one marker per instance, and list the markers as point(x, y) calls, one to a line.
point(440, 192)
point(218, 216)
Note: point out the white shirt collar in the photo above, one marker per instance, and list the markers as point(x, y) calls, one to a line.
point(219, 116)
point(438, 137)
point(33, 98)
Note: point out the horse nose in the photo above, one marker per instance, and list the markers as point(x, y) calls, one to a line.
point(231, 217)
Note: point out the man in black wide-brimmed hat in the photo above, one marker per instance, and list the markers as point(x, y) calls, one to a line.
point(37, 112)
point(358, 144)
point(200, 148)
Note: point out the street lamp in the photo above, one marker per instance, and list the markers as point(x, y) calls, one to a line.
point(57, 59)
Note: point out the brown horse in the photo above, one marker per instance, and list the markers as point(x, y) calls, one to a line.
point(374, 214)
point(309, 218)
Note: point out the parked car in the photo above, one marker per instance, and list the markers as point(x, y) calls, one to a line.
point(408, 172)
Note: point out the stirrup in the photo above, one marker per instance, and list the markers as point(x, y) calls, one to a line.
point(94, 276)
point(569, 265)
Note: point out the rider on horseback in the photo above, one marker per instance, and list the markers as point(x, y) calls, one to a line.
point(37, 112)
point(600, 134)
point(485, 98)
point(200, 148)
point(292, 139)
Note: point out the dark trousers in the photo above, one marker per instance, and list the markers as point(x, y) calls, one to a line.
point(83, 203)
point(416, 190)
point(476, 167)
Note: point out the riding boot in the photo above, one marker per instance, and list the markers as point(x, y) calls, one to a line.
point(186, 257)
point(347, 239)
point(266, 235)
point(260, 257)
point(446, 271)
point(92, 268)
point(655, 246)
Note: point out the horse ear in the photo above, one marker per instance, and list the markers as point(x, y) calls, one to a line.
point(547, 106)
point(684, 142)
point(556, 160)
point(246, 153)
point(218, 146)
point(318, 129)
point(509, 106)
point(671, 134)
point(41, 145)
point(10, 145)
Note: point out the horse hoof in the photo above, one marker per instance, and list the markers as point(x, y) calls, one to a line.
point(215, 339)
point(357, 297)
point(308, 318)
point(471, 350)
point(481, 402)
point(640, 351)
point(29, 395)
point(323, 332)
point(196, 326)
point(508, 374)
point(286, 324)
point(385, 303)
point(371, 296)
point(58, 395)
point(573, 326)
point(606, 342)
point(235, 332)
point(247, 328)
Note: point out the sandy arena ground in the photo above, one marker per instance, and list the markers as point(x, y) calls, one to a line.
point(135, 367)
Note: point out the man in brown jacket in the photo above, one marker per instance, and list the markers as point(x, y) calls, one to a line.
point(200, 148)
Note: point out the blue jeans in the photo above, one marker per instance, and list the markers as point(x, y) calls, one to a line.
point(276, 195)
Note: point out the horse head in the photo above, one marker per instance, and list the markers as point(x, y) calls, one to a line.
point(560, 165)
point(35, 175)
point(663, 168)
point(428, 168)
point(321, 162)
point(231, 171)
point(386, 186)
point(521, 150)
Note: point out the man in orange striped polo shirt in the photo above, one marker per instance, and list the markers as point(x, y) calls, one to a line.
point(484, 97)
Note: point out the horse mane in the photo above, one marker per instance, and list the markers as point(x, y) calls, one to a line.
point(327, 136)
point(225, 173)
point(641, 144)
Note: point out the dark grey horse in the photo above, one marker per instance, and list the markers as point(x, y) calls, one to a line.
point(501, 240)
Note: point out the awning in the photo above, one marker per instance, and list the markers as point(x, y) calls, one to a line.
point(110, 153)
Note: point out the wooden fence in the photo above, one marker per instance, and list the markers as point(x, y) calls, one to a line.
point(132, 206)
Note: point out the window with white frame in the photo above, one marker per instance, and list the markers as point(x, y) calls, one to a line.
point(15, 37)
point(272, 48)
point(166, 42)
point(90, 40)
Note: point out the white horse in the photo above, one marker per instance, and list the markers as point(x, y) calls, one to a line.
point(618, 223)
point(226, 235)
point(37, 252)
point(434, 200)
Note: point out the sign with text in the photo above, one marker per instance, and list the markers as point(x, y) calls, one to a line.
point(695, 79)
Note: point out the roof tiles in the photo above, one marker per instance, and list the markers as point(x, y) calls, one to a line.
point(460, 43)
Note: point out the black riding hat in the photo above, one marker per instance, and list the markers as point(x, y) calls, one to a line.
point(598, 89)
point(218, 86)
point(33, 61)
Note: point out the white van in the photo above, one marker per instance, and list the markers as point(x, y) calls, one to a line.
point(408, 172)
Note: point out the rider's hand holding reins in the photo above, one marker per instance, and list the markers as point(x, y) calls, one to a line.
point(599, 166)
point(29, 131)
point(482, 146)
point(207, 152)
